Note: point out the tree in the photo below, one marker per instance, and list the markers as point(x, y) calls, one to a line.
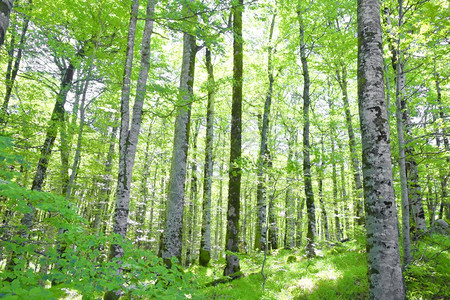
point(309, 193)
point(175, 200)
point(383, 257)
point(5, 10)
point(129, 131)
point(205, 244)
point(261, 197)
point(234, 185)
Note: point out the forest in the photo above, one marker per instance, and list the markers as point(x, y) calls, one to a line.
point(236, 149)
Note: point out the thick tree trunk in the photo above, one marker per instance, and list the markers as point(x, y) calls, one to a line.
point(205, 244)
point(175, 201)
point(5, 10)
point(342, 79)
point(261, 197)
point(310, 236)
point(234, 184)
point(383, 257)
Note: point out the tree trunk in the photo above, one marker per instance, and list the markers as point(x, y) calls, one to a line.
point(383, 257)
point(190, 249)
point(77, 156)
point(219, 218)
point(10, 80)
point(289, 240)
point(102, 202)
point(5, 10)
point(334, 171)
point(175, 201)
point(261, 197)
point(320, 183)
point(234, 184)
point(299, 223)
point(129, 133)
point(205, 244)
point(273, 228)
point(310, 237)
point(342, 79)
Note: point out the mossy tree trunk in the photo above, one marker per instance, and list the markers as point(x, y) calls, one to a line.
point(234, 183)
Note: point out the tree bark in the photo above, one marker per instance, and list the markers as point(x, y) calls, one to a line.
point(173, 240)
point(261, 197)
point(129, 133)
point(320, 184)
point(234, 184)
point(342, 79)
point(5, 10)
point(309, 194)
point(383, 257)
point(334, 170)
point(102, 203)
point(192, 232)
point(205, 244)
point(10, 80)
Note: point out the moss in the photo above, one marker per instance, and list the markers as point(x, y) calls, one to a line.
point(204, 257)
point(291, 259)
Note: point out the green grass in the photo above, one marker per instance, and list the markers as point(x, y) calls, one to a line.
point(336, 273)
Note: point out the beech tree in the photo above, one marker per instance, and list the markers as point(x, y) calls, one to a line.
point(383, 257)
point(234, 186)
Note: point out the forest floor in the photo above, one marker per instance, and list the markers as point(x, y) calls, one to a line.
point(338, 272)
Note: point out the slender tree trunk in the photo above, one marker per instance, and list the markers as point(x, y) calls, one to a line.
point(175, 202)
point(342, 79)
point(261, 197)
point(77, 156)
point(444, 176)
point(205, 244)
point(273, 228)
point(193, 198)
point(289, 229)
point(141, 208)
point(129, 133)
point(413, 193)
point(219, 232)
point(299, 223)
point(320, 184)
point(306, 145)
point(10, 80)
point(334, 171)
point(102, 203)
point(403, 180)
point(234, 184)
point(383, 257)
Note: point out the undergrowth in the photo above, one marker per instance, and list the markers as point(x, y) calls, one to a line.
point(338, 272)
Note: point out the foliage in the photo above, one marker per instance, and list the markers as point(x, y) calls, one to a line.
point(75, 258)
